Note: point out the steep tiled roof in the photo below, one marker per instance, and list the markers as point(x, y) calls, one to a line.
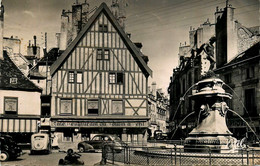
point(9, 70)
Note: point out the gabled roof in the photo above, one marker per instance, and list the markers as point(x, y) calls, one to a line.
point(9, 70)
point(137, 55)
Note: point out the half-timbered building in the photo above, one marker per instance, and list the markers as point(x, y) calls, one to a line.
point(99, 84)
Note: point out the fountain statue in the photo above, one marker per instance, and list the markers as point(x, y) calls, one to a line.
point(210, 109)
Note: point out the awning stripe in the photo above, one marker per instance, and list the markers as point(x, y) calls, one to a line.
point(18, 125)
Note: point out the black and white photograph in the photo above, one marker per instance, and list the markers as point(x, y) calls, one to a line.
point(129, 82)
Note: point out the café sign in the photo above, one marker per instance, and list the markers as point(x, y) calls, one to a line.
point(92, 124)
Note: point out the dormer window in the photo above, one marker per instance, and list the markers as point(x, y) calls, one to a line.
point(13, 80)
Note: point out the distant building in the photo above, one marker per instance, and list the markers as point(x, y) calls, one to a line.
point(158, 110)
point(100, 84)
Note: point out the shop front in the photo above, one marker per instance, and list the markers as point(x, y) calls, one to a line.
point(130, 131)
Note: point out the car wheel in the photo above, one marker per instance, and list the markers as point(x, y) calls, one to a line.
point(4, 156)
point(81, 149)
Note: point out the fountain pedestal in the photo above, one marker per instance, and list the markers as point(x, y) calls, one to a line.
point(211, 130)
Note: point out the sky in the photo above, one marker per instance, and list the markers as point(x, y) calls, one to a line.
point(160, 25)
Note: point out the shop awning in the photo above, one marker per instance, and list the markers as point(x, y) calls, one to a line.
point(18, 125)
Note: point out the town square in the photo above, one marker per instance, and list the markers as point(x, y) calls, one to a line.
point(129, 82)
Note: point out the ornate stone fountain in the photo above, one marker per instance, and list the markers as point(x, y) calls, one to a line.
point(210, 109)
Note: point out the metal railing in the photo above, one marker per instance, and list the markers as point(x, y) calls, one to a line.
point(181, 156)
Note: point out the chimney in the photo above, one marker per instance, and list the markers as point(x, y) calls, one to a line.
point(76, 20)
point(57, 43)
point(231, 33)
point(34, 47)
point(85, 12)
point(63, 38)
point(118, 10)
point(154, 89)
point(1, 29)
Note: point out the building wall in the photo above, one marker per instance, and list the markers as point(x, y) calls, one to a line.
point(24, 123)
point(29, 103)
point(12, 43)
point(239, 83)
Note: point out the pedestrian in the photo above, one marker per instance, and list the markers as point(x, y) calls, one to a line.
point(55, 144)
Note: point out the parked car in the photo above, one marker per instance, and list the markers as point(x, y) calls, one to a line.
point(40, 142)
point(159, 135)
point(113, 143)
point(9, 149)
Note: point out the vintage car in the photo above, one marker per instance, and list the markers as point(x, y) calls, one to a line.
point(40, 142)
point(9, 149)
point(113, 143)
point(159, 135)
